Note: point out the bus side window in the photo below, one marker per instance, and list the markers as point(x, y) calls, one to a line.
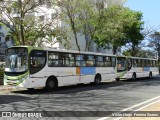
point(134, 63)
point(113, 62)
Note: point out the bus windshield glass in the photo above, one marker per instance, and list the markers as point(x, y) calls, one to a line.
point(16, 60)
point(121, 64)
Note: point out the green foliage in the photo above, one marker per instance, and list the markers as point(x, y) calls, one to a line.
point(105, 22)
point(25, 28)
point(154, 43)
point(139, 52)
point(119, 26)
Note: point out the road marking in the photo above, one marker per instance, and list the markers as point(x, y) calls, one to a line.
point(147, 105)
point(130, 108)
point(140, 108)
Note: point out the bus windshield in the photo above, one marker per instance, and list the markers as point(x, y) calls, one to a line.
point(16, 60)
point(121, 64)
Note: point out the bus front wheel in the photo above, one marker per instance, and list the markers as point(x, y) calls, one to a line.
point(51, 84)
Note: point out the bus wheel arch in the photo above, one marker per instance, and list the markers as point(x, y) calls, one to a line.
point(134, 76)
point(97, 79)
point(51, 83)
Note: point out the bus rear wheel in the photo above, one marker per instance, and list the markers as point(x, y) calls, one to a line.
point(150, 75)
point(31, 89)
point(97, 79)
point(117, 79)
point(51, 84)
point(134, 76)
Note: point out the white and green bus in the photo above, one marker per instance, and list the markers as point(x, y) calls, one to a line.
point(136, 67)
point(30, 67)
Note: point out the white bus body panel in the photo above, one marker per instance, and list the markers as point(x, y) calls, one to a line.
point(141, 72)
point(68, 76)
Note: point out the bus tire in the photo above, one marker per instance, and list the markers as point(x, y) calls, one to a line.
point(51, 84)
point(30, 89)
point(97, 79)
point(117, 79)
point(134, 76)
point(150, 75)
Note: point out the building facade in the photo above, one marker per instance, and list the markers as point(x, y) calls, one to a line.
point(45, 15)
point(5, 40)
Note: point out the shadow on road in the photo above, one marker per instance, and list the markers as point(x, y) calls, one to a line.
point(5, 99)
point(89, 87)
point(109, 96)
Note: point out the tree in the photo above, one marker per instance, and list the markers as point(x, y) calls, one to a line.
point(69, 12)
point(117, 30)
point(155, 43)
point(19, 17)
point(139, 52)
point(84, 17)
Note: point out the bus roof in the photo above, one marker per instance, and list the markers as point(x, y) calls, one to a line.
point(142, 58)
point(138, 58)
point(63, 50)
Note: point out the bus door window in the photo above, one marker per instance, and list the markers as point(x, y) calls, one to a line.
point(37, 60)
point(129, 64)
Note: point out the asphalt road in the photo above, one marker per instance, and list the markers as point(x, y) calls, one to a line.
point(109, 96)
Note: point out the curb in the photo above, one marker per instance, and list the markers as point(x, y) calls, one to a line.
point(5, 88)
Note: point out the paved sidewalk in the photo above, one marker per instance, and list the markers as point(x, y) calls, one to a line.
point(154, 107)
point(5, 88)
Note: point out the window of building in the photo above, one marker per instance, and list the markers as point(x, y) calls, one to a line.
point(42, 2)
point(48, 3)
point(54, 15)
point(41, 18)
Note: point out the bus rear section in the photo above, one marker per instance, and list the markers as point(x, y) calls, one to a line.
point(136, 67)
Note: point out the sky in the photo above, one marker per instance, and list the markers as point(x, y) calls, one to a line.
point(149, 8)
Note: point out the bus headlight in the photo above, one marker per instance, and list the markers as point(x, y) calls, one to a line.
point(23, 78)
point(5, 78)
